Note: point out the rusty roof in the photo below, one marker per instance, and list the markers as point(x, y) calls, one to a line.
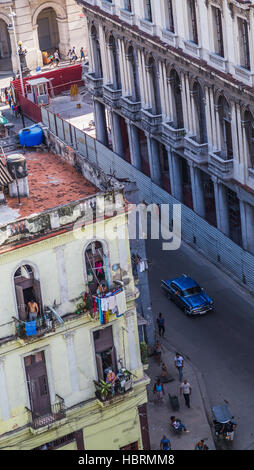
point(52, 183)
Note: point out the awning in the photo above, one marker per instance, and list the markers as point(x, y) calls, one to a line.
point(5, 177)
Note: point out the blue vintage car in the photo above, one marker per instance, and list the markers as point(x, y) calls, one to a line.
point(186, 293)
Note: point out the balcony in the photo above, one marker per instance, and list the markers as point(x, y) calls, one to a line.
point(192, 48)
point(151, 122)
point(108, 393)
point(217, 61)
point(172, 136)
point(111, 96)
point(220, 166)
point(94, 85)
point(195, 151)
point(127, 16)
point(244, 75)
point(147, 26)
point(130, 109)
point(43, 324)
point(108, 7)
point(57, 413)
point(169, 37)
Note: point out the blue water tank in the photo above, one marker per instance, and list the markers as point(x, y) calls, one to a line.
point(31, 136)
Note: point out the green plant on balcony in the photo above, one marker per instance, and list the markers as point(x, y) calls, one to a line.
point(103, 390)
point(80, 307)
point(144, 352)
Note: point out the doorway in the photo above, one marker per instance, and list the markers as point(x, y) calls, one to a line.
point(37, 381)
point(48, 34)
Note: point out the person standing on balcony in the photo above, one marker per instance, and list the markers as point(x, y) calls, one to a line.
point(33, 310)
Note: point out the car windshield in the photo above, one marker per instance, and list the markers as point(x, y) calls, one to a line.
point(192, 291)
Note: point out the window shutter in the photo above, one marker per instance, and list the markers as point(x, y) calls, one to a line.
point(21, 303)
point(99, 367)
point(37, 293)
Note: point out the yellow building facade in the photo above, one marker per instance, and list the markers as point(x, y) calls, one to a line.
point(71, 346)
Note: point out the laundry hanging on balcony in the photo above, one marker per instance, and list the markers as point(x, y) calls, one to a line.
point(112, 302)
point(30, 328)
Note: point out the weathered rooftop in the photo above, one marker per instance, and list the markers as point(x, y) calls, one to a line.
point(52, 183)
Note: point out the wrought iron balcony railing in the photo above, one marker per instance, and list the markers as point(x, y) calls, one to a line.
point(56, 413)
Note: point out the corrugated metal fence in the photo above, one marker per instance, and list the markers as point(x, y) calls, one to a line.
point(195, 231)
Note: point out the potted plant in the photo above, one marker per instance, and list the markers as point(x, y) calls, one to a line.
point(144, 352)
point(103, 390)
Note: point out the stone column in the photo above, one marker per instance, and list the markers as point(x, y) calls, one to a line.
point(117, 140)
point(175, 175)
point(100, 123)
point(154, 160)
point(14, 47)
point(4, 400)
point(72, 362)
point(197, 190)
point(217, 125)
point(36, 45)
point(62, 276)
point(134, 146)
point(64, 38)
point(247, 223)
point(221, 207)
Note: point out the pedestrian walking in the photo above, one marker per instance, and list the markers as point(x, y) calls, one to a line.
point(185, 389)
point(70, 55)
point(179, 364)
point(158, 390)
point(56, 58)
point(164, 374)
point(165, 443)
point(74, 55)
point(82, 54)
point(161, 325)
point(158, 350)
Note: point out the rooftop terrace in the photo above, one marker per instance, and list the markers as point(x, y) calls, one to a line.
point(52, 183)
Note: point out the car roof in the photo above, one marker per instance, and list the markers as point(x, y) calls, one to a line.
point(184, 282)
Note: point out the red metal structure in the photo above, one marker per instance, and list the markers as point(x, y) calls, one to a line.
point(61, 80)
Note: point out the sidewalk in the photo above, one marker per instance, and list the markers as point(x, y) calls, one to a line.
point(194, 418)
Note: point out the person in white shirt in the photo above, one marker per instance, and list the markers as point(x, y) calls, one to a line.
point(185, 389)
point(179, 365)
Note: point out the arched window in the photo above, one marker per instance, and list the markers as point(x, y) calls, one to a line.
point(27, 288)
point(154, 86)
point(96, 266)
point(225, 128)
point(177, 100)
point(96, 53)
point(248, 125)
point(132, 61)
point(115, 63)
point(199, 104)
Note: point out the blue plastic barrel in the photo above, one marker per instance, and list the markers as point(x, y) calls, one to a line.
point(30, 136)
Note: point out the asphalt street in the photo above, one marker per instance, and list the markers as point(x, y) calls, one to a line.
point(220, 344)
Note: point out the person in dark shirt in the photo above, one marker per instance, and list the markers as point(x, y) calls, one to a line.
point(161, 325)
